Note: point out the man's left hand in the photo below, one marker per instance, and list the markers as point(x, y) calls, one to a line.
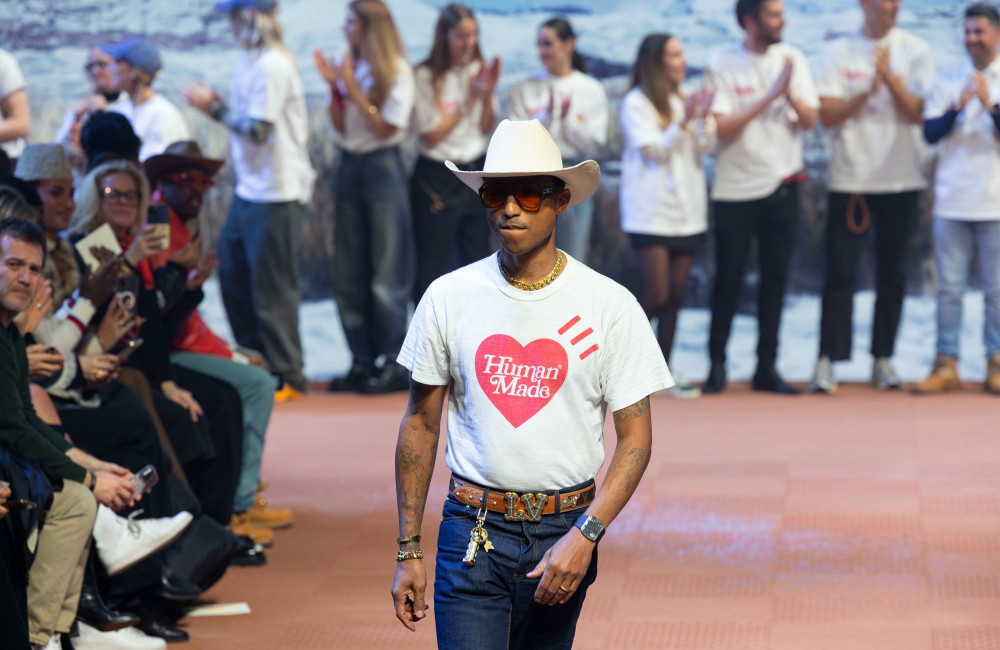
point(562, 568)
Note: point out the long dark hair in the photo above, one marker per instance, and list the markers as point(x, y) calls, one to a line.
point(439, 60)
point(649, 74)
point(564, 31)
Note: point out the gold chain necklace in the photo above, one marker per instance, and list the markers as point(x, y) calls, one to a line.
point(532, 286)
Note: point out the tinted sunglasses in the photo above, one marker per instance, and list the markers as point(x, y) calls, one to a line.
point(191, 180)
point(527, 195)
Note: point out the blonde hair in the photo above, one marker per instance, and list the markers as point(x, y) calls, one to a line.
point(260, 30)
point(90, 196)
point(381, 46)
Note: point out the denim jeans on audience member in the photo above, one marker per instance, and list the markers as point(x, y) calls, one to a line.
point(256, 388)
point(954, 241)
point(491, 606)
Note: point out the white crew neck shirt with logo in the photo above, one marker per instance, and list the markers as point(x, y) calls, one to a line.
point(267, 87)
point(967, 176)
point(875, 150)
point(466, 142)
point(768, 150)
point(156, 121)
point(531, 373)
point(358, 136)
point(583, 133)
point(663, 191)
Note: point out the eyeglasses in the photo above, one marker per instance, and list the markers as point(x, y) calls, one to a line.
point(527, 195)
point(191, 180)
point(91, 65)
point(111, 195)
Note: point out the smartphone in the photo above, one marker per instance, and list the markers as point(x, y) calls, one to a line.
point(128, 291)
point(128, 350)
point(158, 214)
point(20, 504)
point(144, 479)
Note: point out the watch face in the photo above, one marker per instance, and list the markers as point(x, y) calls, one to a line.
point(591, 527)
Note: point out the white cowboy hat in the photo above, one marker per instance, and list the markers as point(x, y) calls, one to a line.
point(527, 149)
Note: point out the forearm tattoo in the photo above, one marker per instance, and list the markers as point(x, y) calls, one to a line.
point(257, 130)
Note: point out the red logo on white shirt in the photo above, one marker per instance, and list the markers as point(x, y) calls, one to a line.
point(744, 90)
point(520, 380)
point(851, 75)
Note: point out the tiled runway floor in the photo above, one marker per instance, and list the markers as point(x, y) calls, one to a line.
point(863, 521)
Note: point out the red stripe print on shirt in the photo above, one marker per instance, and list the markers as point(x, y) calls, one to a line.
point(580, 337)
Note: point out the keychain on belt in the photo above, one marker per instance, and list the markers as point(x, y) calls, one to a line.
point(478, 536)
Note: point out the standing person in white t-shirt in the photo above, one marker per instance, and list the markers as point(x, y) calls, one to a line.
point(156, 121)
point(453, 115)
point(663, 194)
point(573, 106)
point(531, 347)
point(371, 97)
point(259, 245)
point(871, 87)
point(105, 97)
point(764, 101)
point(963, 118)
point(15, 116)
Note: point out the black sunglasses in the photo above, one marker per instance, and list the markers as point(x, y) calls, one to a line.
point(527, 195)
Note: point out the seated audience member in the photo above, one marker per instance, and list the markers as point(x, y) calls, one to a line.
point(155, 119)
point(57, 571)
point(106, 97)
point(109, 136)
point(208, 440)
point(963, 117)
point(15, 118)
point(181, 176)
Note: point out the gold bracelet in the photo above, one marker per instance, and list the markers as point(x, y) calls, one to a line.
point(407, 540)
point(409, 555)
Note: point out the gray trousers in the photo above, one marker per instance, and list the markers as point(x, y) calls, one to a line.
point(259, 278)
point(373, 260)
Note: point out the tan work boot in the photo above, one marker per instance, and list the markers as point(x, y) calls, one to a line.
point(943, 377)
point(262, 516)
point(993, 374)
point(241, 526)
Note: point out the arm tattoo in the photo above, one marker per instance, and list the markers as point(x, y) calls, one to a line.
point(637, 410)
point(257, 130)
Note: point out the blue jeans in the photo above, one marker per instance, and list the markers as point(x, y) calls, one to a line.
point(491, 605)
point(373, 264)
point(954, 241)
point(256, 389)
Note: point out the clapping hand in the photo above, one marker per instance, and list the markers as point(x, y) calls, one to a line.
point(29, 319)
point(199, 96)
point(325, 67)
point(782, 84)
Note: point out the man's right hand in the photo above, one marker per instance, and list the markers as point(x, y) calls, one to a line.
point(408, 589)
point(116, 492)
point(782, 84)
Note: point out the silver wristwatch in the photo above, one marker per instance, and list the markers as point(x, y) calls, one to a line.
point(590, 526)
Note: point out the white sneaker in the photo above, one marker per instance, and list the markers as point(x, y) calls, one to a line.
point(823, 379)
point(884, 376)
point(123, 543)
point(129, 638)
point(681, 388)
point(54, 643)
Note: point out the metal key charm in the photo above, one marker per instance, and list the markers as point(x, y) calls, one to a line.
point(477, 537)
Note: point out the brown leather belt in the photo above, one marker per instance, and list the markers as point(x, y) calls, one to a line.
point(520, 507)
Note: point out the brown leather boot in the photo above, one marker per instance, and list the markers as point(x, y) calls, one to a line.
point(993, 374)
point(943, 377)
point(241, 526)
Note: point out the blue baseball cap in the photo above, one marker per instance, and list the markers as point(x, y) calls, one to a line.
point(259, 5)
point(137, 51)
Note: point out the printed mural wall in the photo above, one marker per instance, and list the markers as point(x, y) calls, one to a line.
point(50, 38)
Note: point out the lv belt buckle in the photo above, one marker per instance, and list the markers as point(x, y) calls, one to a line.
point(524, 507)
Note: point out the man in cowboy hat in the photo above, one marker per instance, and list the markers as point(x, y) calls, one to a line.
point(181, 176)
point(532, 347)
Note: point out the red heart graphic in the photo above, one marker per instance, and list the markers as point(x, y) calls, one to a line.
point(520, 380)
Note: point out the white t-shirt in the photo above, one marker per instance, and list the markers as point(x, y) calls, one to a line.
point(769, 149)
point(967, 178)
point(583, 133)
point(157, 122)
point(876, 150)
point(466, 142)
point(663, 192)
point(358, 136)
point(267, 87)
point(531, 373)
point(11, 80)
